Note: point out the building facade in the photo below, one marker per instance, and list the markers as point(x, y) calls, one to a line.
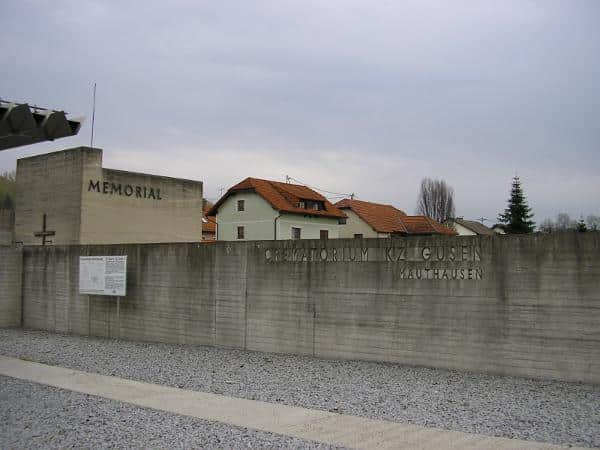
point(469, 227)
point(257, 209)
point(375, 220)
point(67, 197)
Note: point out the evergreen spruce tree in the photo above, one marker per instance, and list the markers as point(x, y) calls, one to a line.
point(517, 216)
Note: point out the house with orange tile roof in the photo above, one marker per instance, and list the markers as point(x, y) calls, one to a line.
point(375, 220)
point(257, 209)
point(209, 223)
point(469, 227)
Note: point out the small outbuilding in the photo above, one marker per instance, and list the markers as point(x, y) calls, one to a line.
point(469, 227)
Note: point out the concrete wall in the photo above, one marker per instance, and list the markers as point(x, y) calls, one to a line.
point(512, 305)
point(7, 226)
point(51, 184)
point(86, 204)
point(10, 286)
point(159, 209)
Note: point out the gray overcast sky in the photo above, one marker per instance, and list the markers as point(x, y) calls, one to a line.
point(348, 96)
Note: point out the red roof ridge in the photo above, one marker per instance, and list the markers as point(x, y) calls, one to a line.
point(380, 217)
point(284, 197)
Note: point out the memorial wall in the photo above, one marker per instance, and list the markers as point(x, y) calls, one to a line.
point(10, 285)
point(510, 305)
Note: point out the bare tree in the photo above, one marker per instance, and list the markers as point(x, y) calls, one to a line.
point(435, 200)
point(547, 226)
point(7, 190)
point(593, 222)
point(564, 222)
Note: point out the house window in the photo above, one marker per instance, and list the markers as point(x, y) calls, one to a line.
point(316, 205)
point(324, 234)
point(342, 221)
point(241, 205)
point(358, 236)
point(296, 232)
point(240, 232)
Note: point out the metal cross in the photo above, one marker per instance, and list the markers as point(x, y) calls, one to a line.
point(44, 233)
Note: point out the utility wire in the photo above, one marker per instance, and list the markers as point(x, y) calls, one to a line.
point(335, 194)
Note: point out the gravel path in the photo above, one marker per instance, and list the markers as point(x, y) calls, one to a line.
point(547, 411)
point(36, 416)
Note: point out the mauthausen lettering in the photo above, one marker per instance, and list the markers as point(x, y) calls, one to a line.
point(127, 190)
point(427, 273)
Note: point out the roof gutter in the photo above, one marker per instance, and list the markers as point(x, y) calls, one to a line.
point(275, 227)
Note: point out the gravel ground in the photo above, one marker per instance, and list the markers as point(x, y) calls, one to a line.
point(547, 411)
point(36, 416)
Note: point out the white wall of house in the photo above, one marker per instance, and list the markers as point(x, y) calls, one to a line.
point(258, 220)
point(463, 231)
point(355, 225)
point(310, 226)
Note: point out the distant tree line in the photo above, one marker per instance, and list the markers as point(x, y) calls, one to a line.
point(7, 190)
point(564, 222)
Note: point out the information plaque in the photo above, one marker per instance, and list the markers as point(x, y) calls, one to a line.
point(103, 275)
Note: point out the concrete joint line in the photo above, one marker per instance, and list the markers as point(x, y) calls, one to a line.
point(303, 423)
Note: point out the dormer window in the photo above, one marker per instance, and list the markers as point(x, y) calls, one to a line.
point(316, 205)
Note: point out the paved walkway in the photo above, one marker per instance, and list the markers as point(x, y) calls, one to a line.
point(310, 424)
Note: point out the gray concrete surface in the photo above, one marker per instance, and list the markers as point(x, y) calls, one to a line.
point(85, 203)
point(509, 305)
point(529, 409)
point(322, 426)
point(35, 416)
point(10, 286)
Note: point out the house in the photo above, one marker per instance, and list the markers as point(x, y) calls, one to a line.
point(469, 227)
point(499, 228)
point(257, 209)
point(375, 220)
point(209, 223)
point(370, 220)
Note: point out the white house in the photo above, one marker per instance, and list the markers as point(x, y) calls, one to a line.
point(257, 209)
point(469, 227)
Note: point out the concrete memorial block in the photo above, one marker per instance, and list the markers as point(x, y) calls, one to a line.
point(68, 198)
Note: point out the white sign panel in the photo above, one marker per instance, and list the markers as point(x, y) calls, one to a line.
point(103, 275)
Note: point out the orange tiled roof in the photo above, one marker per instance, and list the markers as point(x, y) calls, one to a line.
point(210, 226)
point(283, 197)
point(382, 218)
point(426, 225)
